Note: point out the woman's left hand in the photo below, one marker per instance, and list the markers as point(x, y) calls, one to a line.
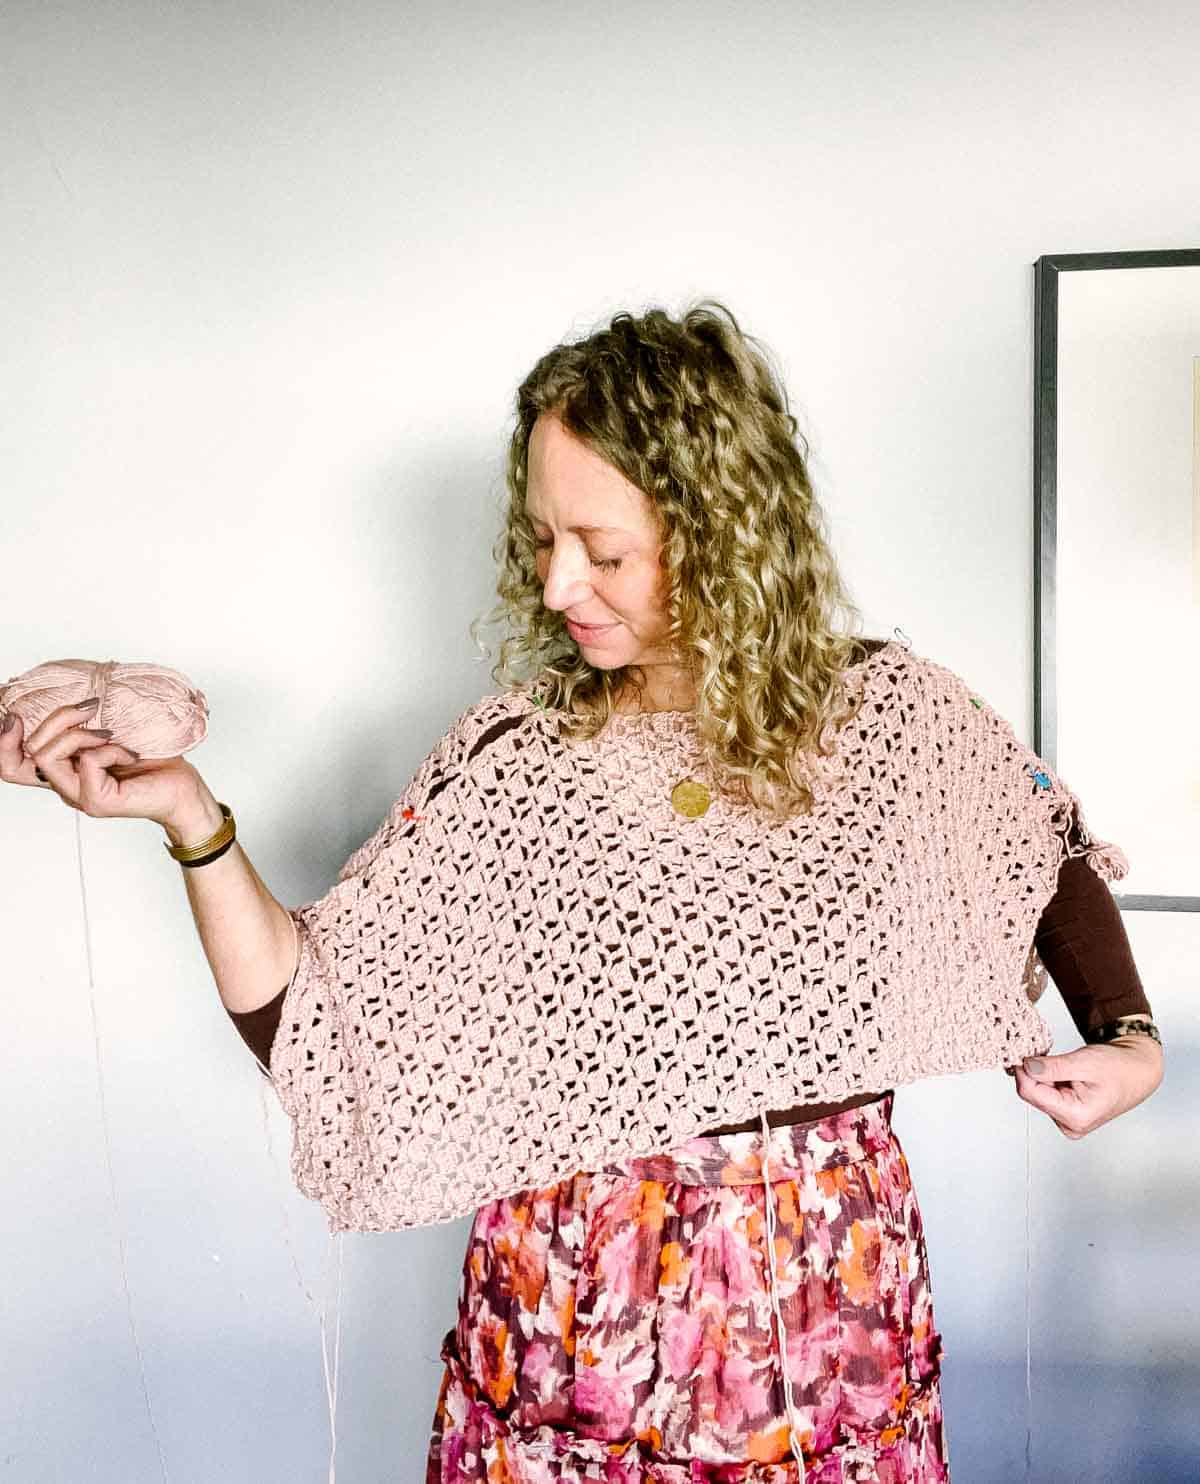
point(1082, 1089)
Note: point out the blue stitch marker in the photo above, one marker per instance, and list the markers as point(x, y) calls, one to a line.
point(1041, 779)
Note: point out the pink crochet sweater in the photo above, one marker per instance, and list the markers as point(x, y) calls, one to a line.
point(542, 966)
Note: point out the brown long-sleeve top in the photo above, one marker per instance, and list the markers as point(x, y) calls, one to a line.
point(1080, 938)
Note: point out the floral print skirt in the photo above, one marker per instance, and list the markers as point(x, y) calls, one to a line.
point(618, 1325)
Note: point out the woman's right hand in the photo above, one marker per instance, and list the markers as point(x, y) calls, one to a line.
point(80, 766)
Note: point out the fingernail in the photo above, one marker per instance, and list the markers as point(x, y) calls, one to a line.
point(98, 731)
point(1034, 1065)
point(88, 704)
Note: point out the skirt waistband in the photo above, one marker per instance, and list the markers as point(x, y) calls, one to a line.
point(795, 1150)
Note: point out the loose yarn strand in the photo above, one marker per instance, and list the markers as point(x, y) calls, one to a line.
point(108, 1158)
point(331, 1387)
point(1028, 1299)
point(286, 1225)
point(335, 1243)
point(793, 1435)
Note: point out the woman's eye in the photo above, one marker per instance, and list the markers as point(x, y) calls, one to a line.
point(609, 565)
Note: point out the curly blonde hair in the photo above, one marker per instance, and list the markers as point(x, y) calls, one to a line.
point(690, 411)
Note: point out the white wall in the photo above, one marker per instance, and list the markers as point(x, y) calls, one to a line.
point(271, 275)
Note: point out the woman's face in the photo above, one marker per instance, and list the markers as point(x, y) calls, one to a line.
point(598, 558)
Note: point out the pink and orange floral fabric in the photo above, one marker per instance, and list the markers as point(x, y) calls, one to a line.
point(617, 1324)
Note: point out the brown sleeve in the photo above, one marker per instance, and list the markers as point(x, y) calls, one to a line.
point(257, 1027)
point(1081, 940)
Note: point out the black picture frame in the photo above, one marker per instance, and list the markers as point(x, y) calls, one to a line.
point(1045, 494)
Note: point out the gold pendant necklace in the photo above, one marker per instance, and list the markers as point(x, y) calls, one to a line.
point(690, 798)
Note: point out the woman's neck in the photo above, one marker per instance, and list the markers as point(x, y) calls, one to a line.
point(666, 689)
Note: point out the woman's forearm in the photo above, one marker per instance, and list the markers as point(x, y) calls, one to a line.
point(248, 937)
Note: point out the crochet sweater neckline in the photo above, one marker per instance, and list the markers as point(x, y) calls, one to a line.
point(638, 720)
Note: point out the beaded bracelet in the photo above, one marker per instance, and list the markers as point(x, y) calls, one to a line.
point(1125, 1025)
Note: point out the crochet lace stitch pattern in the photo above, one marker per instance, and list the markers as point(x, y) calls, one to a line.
point(536, 965)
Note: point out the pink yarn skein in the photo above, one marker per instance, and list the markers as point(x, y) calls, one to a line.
point(152, 709)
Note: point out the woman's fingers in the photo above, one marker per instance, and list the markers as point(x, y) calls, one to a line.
point(98, 789)
point(60, 760)
point(1082, 1089)
point(18, 763)
point(50, 750)
point(1065, 1103)
point(50, 728)
point(11, 756)
point(93, 774)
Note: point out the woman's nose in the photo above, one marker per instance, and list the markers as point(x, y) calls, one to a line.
point(567, 583)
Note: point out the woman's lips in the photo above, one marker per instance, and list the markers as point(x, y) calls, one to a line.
point(586, 632)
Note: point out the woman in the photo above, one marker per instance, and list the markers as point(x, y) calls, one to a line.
point(635, 962)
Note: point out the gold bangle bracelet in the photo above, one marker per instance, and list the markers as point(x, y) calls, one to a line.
point(221, 836)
